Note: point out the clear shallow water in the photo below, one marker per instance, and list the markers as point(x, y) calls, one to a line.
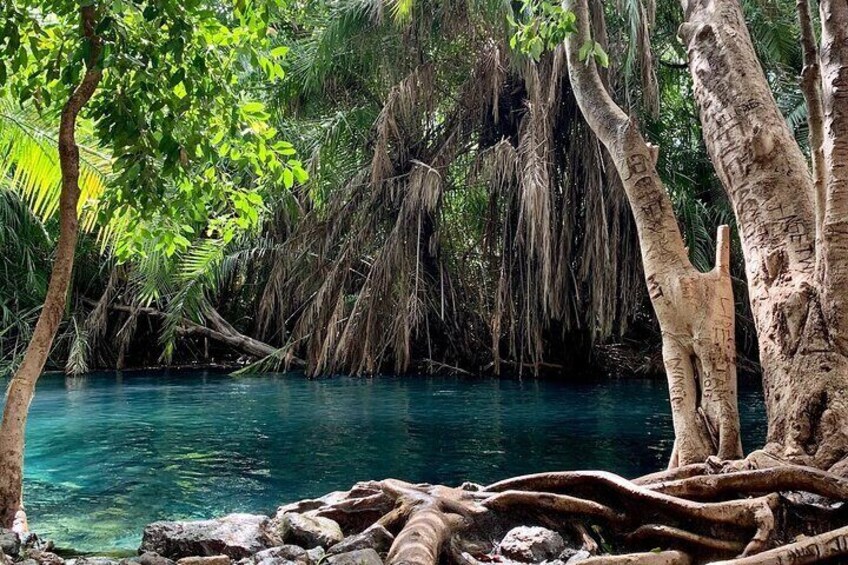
point(107, 454)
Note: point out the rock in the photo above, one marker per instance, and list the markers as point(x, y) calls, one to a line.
point(235, 536)
point(358, 557)
point(316, 554)
point(531, 544)
point(205, 560)
point(10, 543)
point(46, 557)
point(282, 555)
point(27, 562)
point(571, 556)
point(309, 531)
point(153, 558)
point(376, 537)
point(91, 561)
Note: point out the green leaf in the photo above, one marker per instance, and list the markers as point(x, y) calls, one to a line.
point(252, 107)
point(600, 55)
point(585, 50)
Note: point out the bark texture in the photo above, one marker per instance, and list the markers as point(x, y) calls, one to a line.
point(22, 386)
point(721, 513)
point(796, 305)
point(695, 310)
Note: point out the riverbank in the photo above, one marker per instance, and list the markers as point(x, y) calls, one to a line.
point(354, 527)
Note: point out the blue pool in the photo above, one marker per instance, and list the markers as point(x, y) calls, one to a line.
point(109, 452)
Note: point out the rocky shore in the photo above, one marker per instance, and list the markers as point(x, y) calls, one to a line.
point(330, 530)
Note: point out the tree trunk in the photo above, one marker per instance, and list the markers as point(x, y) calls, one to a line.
point(22, 386)
point(694, 309)
point(795, 303)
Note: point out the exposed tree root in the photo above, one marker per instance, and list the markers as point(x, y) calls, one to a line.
point(775, 479)
point(695, 542)
point(738, 516)
point(814, 549)
point(650, 558)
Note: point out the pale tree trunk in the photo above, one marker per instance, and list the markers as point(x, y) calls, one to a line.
point(795, 303)
point(694, 309)
point(22, 386)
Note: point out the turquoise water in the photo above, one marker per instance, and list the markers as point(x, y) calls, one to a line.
point(109, 453)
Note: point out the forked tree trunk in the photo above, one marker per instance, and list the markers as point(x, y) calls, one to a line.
point(797, 273)
point(695, 310)
point(22, 386)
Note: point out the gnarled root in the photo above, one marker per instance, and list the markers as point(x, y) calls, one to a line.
point(814, 549)
point(650, 558)
point(693, 515)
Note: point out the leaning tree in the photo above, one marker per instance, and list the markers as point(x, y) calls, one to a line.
point(193, 153)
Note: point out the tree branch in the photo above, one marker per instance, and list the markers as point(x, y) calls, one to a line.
point(811, 88)
point(223, 332)
point(755, 155)
point(834, 87)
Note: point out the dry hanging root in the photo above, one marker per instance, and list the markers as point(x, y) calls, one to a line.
point(695, 514)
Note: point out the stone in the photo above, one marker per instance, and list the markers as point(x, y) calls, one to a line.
point(308, 531)
point(46, 557)
point(572, 556)
point(153, 558)
point(282, 555)
point(316, 554)
point(235, 536)
point(10, 543)
point(531, 544)
point(376, 537)
point(91, 561)
point(205, 560)
point(358, 557)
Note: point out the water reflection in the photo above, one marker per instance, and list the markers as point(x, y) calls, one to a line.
point(107, 454)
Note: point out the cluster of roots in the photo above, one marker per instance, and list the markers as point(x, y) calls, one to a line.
point(725, 513)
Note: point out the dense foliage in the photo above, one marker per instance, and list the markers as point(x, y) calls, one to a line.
point(457, 212)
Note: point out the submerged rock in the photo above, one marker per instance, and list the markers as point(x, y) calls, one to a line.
point(376, 537)
point(10, 543)
point(235, 536)
point(308, 531)
point(531, 544)
point(358, 557)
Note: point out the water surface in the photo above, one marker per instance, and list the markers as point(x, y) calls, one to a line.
point(108, 453)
